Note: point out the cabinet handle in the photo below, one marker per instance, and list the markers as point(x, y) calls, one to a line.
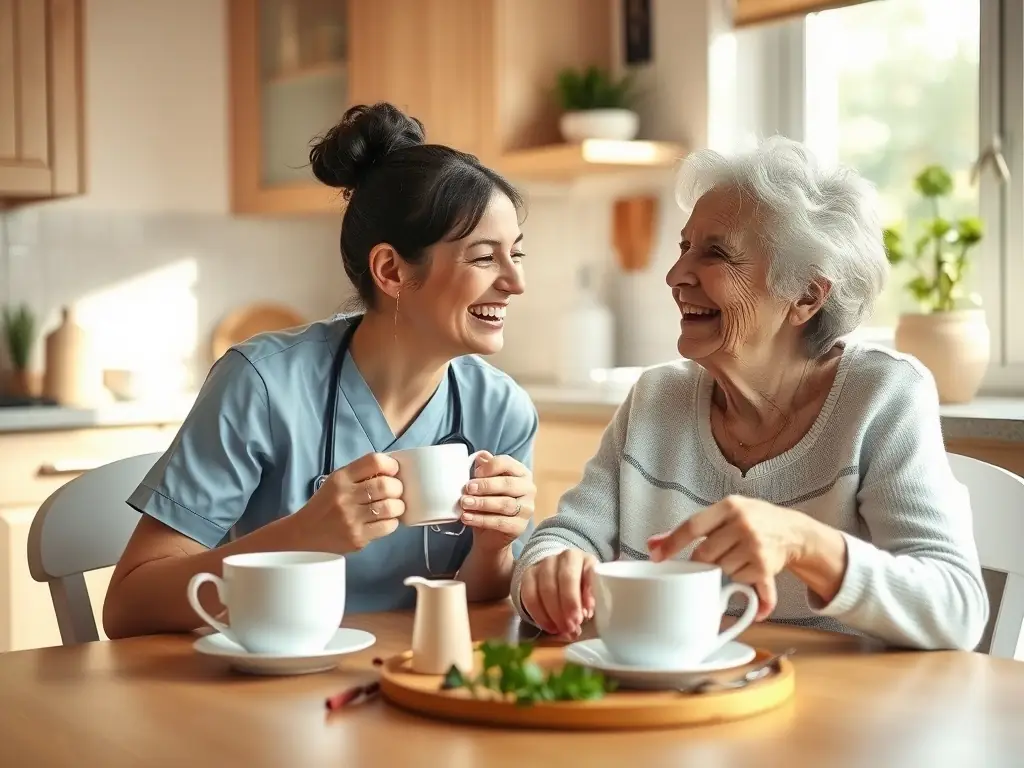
point(58, 468)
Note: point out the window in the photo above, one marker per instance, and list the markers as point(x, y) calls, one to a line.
point(890, 86)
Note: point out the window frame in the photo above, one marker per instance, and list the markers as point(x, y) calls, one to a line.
point(771, 89)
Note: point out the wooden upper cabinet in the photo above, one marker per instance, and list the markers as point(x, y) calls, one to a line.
point(289, 81)
point(432, 59)
point(480, 74)
point(41, 134)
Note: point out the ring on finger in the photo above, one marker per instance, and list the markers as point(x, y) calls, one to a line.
point(369, 501)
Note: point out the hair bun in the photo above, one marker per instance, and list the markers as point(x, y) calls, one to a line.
point(365, 135)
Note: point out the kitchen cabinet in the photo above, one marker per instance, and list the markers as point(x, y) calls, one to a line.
point(41, 89)
point(480, 75)
point(561, 451)
point(32, 466)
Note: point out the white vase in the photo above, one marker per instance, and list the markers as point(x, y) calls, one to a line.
point(954, 346)
point(615, 124)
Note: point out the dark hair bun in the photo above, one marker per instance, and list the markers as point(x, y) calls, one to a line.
point(365, 135)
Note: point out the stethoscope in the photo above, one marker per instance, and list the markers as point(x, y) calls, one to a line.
point(330, 424)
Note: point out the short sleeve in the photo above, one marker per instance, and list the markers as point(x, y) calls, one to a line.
point(519, 429)
point(201, 486)
point(518, 434)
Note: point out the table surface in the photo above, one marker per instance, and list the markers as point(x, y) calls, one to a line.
point(153, 701)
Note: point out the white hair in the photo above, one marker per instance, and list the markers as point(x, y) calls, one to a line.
point(813, 222)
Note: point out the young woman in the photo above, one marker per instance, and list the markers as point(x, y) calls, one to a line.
point(286, 446)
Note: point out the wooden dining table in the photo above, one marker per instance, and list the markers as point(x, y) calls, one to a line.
point(154, 701)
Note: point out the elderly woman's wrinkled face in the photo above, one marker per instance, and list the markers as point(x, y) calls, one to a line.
point(720, 281)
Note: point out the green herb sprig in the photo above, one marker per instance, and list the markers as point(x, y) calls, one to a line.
point(507, 670)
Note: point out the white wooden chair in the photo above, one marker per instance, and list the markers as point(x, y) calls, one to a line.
point(997, 501)
point(83, 526)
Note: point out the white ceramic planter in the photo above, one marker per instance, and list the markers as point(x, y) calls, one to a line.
point(954, 346)
point(616, 124)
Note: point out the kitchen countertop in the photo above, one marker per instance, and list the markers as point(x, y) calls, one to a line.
point(992, 418)
point(115, 414)
point(988, 418)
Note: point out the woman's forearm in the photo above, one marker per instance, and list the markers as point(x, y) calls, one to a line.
point(822, 562)
point(152, 597)
point(487, 573)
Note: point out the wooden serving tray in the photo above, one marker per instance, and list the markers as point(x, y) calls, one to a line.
point(623, 709)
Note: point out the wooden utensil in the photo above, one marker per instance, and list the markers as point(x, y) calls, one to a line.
point(623, 709)
point(633, 231)
point(245, 322)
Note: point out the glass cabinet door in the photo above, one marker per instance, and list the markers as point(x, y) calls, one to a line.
point(302, 49)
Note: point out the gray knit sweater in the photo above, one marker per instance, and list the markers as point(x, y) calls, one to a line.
point(873, 466)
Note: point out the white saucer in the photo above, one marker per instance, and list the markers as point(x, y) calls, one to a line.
point(594, 654)
point(344, 641)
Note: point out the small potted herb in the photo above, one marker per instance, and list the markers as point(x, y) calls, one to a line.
point(949, 335)
point(596, 105)
point(19, 325)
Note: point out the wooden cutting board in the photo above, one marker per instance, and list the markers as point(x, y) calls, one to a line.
point(633, 223)
point(618, 710)
point(245, 322)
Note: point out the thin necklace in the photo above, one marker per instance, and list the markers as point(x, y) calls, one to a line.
point(747, 447)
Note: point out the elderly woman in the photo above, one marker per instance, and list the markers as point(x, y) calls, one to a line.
point(808, 466)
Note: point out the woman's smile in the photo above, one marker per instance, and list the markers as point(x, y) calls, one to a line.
point(697, 316)
point(489, 316)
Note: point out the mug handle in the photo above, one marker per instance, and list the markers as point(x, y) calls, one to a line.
point(745, 620)
point(193, 599)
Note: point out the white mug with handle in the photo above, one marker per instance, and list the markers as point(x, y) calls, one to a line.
point(665, 615)
point(280, 603)
point(433, 482)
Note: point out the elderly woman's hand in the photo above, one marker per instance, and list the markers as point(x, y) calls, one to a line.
point(749, 539)
point(557, 592)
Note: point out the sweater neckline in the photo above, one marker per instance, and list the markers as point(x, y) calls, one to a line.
point(714, 454)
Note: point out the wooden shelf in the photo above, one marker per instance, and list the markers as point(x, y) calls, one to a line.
point(564, 162)
point(328, 70)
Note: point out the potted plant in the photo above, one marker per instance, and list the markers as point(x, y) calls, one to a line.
point(19, 333)
point(596, 105)
point(950, 335)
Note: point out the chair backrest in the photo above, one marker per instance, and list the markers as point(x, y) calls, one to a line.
point(997, 503)
point(83, 526)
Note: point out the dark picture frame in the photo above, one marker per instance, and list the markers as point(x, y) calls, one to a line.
point(637, 31)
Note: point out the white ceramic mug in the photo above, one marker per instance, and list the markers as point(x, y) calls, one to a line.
point(665, 615)
point(288, 603)
point(433, 482)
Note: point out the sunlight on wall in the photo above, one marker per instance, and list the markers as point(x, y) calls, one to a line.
point(147, 323)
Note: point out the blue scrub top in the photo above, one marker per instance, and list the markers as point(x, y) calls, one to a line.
point(249, 450)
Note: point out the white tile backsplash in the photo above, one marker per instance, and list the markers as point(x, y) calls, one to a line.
point(152, 287)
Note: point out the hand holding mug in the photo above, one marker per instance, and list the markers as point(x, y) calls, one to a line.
point(356, 504)
point(558, 592)
point(751, 540)
point(498, 501)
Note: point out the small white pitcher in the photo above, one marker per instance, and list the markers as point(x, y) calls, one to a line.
point(440, 634)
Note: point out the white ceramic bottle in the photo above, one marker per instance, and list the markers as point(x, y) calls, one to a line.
point(587, 334)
